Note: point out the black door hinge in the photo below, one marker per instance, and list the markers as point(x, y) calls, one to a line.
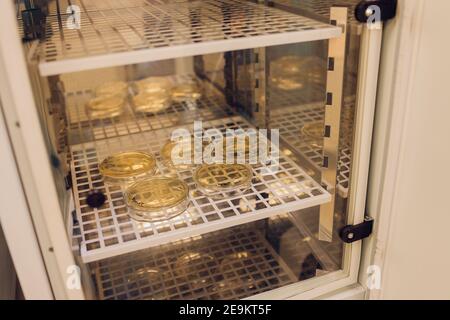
point(350, 234)
point(385, 9)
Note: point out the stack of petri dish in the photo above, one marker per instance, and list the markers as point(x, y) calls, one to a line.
point(153, 94)
point(114, 88)
point(223, 180)
point(297, 72)
point(180, 155)
point(186, 92)
point(149, 198)
point(151, 102)
point(109, 101)
point(157, 199)
point(286, 73)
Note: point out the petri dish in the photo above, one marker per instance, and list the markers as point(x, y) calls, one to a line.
point(313, 133)
point(235, 148)
point(288, 83)
point(157, 199)
point(127, 167)
point(152, 85)
point(218, 180)
point(286, 73)
point(245, 145)
point(151, 102)
point(180, 161)
point(314, 71)
point(233, 269)
point(288, 65)
point(295, 72)
point(150, 274)
point(112, 88)
point(186, 92)
point(196, 268)
point(104, 107)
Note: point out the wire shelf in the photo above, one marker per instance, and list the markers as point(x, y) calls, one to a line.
point(290, 120)
point(109, 231)
point(263, 270)
point(115, 33)
point(82, 128)
point(321, 7)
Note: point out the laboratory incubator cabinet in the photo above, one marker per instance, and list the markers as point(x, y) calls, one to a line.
point(95, 205)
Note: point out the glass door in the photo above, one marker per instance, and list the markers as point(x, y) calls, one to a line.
point(209, 150)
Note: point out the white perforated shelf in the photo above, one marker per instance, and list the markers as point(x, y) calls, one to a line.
point(82, 128)
point(115, 33)
point(128, 277)
point(290, 121)
point(109, 231)
point(320, 8)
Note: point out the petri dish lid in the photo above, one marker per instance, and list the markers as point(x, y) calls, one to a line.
point(245, 143)
point(189, 259)
point(153, 84)
point(112, 88)
point(156, 194)
point(233, 266)
point(186, 92)
point(223, 177)
point(151, 101)
point(235, 261)
point(196, 267)
point(287, 65)
point(128, 164)
point(313, 132)
point(288, 82)
point(168, 149)
point(105, 114)
point(295, 72)
point(106, 103)
point(144, 273)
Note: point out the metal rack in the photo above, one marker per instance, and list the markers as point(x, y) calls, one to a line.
point(81, 128)
point(263, 269)
point(319, 8)
point(128, 276)
point(116, 33)
point(109, 231)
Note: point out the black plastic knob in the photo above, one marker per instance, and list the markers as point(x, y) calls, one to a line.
point(95, 199)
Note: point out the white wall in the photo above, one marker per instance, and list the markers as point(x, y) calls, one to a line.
point(410, 176)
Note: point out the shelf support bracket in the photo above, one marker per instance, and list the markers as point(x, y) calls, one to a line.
point(260, 111)
point(333, 106)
